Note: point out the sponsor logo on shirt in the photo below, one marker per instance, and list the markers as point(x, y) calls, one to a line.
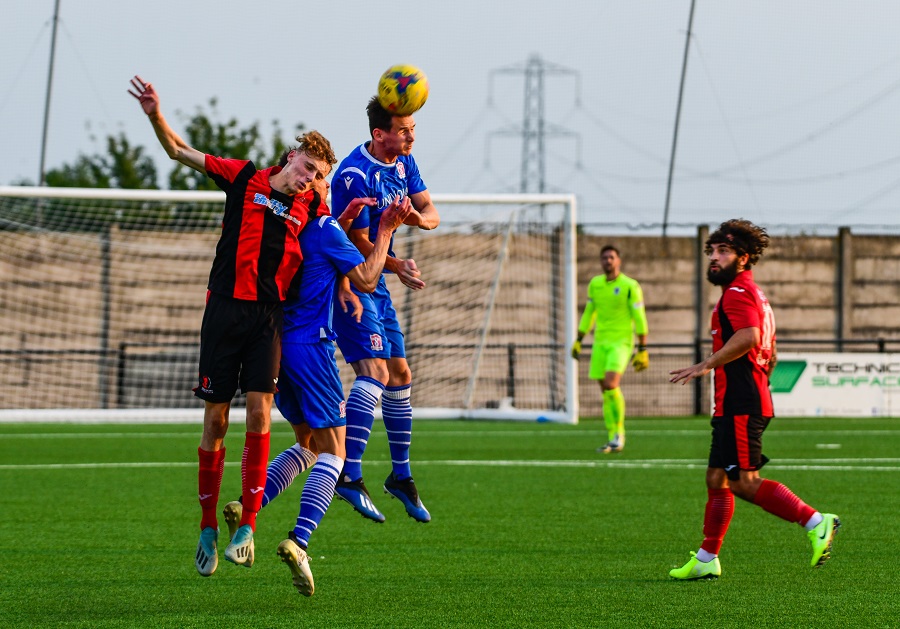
point(388, 199)
point(278, 208)
point(348, 181)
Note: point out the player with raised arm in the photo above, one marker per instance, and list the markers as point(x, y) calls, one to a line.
point(743, 331)
point(254, 271)
point(616, 303)
point(382, 168)
point(309, 394)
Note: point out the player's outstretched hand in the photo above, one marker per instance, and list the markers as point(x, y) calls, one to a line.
point(409, 273)
point(396, 213)
point(689, 373)
point(145, 94)
point(349, 300)
point(576, 349)
point(351, 212)
point(641, 360)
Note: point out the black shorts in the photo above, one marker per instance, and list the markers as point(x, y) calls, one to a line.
point(737, 443)
point(240, 344)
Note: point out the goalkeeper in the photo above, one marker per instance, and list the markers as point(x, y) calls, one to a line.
point(616, 303)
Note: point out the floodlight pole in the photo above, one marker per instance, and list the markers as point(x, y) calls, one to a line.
point(41, 174)
point(687, 46)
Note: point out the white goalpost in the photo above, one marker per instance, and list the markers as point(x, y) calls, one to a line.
point(102, 294)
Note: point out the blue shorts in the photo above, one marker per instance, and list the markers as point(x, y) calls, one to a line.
point(309, 386)
point(378, 335)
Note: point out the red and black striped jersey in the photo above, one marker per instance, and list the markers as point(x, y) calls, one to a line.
point(742, 386)
point(258, 254)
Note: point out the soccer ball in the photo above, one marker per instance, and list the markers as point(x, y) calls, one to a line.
point(402, 90)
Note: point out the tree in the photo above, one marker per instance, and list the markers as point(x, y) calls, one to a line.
point(122, 166)
point(206, 133)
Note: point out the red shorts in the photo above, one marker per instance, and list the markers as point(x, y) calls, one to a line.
point(737, 443)
point(240, 344)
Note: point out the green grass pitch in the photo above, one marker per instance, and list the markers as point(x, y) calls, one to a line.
point(531, 528)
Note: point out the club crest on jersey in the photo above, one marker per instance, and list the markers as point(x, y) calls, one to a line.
point(401, 171)
point(617, 290)
point(375, 340)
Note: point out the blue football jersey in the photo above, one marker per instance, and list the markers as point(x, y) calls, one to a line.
point(327, 254)
point(361, 175)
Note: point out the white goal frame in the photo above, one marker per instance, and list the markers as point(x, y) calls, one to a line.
point(502, 411)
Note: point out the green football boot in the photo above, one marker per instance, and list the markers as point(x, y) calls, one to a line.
point(696, 569)
point(822, 537)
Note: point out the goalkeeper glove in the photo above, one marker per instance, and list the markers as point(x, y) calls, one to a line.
point(576, 349)
point(641, 360)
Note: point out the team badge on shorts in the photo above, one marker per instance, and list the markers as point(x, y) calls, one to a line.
point(377, 344)
point(206, 384)
point(342, 409)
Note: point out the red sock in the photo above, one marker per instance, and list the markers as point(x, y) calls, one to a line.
point(209, 480)
point(719, 509)
point(253, 475)
point(781, 501)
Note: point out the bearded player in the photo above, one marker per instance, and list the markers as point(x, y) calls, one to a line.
point(743, 331)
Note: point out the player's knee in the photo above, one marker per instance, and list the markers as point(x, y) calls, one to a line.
point(400, 377)
point(215, 421)
point(258, 419)
point(375, 369)
point(746, 488)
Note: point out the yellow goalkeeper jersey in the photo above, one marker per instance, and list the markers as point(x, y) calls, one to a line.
point(617, 307)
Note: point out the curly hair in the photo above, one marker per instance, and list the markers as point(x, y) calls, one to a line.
point(312, 143)
point(742, 236)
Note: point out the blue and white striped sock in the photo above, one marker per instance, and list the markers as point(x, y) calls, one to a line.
point(361, 405)
point(397, 413)
point(317, 494)
point(284, 469)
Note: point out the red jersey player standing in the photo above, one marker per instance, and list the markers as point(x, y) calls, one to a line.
point(743, 331)
point(254, 271)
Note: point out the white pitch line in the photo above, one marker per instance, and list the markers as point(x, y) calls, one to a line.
point(101, 466)
point(645, 464)
point(451, 433)
point(103, 435)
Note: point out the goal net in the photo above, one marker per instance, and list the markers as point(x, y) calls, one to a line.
point(102, 295)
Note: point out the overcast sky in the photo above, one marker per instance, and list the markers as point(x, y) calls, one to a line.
point(789, 115)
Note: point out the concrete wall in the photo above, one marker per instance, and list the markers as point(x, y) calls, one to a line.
point(69, 301)
point(820, 288)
